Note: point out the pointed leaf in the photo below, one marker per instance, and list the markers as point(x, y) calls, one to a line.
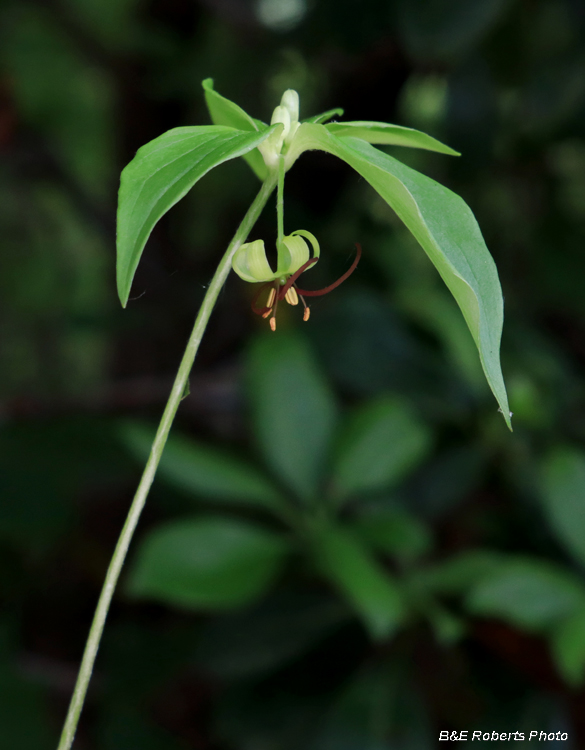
point(371, 590)
point(445, 228)
point(208, 562)
point(225, 112)
point(293, 408)
point(204, 472)
point(160, 174)
point(324, 116)
point(391, 135)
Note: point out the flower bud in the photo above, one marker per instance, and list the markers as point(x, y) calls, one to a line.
point(290, 101)
point(287, 115)
point(282, 115)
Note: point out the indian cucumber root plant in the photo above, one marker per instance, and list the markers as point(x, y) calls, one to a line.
point(163, 171)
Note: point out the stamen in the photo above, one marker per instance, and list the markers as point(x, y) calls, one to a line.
point(307, 313)
point(340, 280)
point(273, 318)
point(291, 296)
point(271, 297)
point(264, 309)
point(291, 280)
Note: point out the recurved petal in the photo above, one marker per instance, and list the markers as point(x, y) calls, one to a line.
point(292, 254)
point(251, 264)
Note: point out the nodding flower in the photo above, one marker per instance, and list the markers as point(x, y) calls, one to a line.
point(294, 258)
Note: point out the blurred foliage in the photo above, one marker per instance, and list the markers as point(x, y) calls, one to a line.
point(345, 549)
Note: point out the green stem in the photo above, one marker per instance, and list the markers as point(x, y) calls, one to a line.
point(97, 626)
point(280, 201)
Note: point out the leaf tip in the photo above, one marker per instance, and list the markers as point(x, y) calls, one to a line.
point(507, 417)
point(207, 84)
point(123, 295)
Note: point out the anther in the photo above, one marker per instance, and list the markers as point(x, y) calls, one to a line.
point(307, 313)
point(272, 323)
point(271, 297)
point(291, 296)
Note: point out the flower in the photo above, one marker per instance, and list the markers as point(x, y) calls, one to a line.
point(294, 258)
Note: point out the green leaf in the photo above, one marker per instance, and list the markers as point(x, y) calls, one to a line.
point(394, 532)
point(460, 573)
point(324, 116)
point(294, 410)
point(374, 594)
point(275, 632)
point(123, 724)
point(160, 174)
point(202, 471)
point(563, 498)
point(225, 112)
point(445, 228)
point(391, 135)
point(360, 718)
point(529, 593)
point(436, 311)
point(447, 627)
point(381, 443)
point(210, 563)
point(568, 648)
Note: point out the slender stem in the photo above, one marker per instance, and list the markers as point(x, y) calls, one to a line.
point(280, 201)
point(97, 627)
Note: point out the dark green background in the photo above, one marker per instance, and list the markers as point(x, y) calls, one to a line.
point(83, 84)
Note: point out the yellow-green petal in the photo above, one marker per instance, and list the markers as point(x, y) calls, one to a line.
point(292, 254)
point(251, 264)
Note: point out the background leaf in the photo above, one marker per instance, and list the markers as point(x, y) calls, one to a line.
point(294, 410)
point(394, 532)
point(160, 174)
point(381, 442)
point(271, 634)
point(202, 471)
point(529, 593)
point(568, 647)
point(460, 573)
point(563, 498)
point(372, 591)
point(209, 563)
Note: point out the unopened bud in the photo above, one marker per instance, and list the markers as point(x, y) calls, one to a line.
point(290, 100)
point(281, 115)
